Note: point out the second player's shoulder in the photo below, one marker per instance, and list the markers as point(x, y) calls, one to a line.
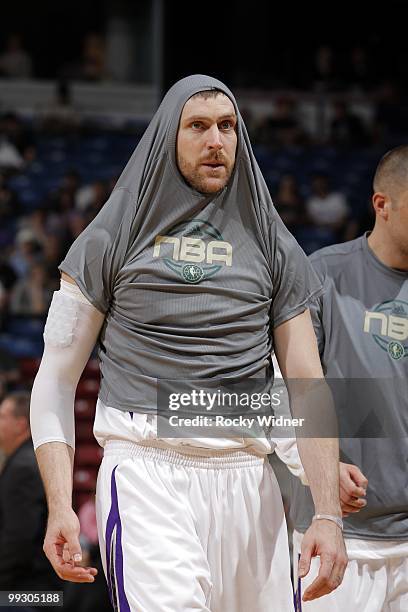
point(336, 256)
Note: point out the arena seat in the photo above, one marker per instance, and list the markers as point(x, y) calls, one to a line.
point(314, 238)
point(84, 432)
point(81, 498)
point(85, 409)
point(87, 388)
point(88, 455)
point(85, 479)
point(92, 369)
point(29, 367)
point(21, 347)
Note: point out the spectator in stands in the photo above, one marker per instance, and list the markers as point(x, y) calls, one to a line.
point(3, 303)
point(391, 115)
point(52, 252)
point(15, 62)
point(9, 209)
point(17, 134)
point(94, 57)
point(61, 206)
point(71, 182)
point(326, 208)
point(61, 118)
point(359, 73)
point(26, 251)
point(10, 159)
point(360, 223)
point(91, 198)
point(9, 372)
point(36, 223)
point(347, 129)
point(324, 71)
point(77, 222)
point(112, 182)
point(282, 127)
point(289, 203)
point(32, 295)
point(92, 64)
point(7, 280)
point(23, 510)
point(69, 185)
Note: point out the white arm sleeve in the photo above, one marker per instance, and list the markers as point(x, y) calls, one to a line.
point(70, 333)
point(287, 448)
point(287, 451)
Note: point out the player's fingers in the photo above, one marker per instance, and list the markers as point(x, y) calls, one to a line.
point(337, 574)
point(65, 553)
point(358, 477)
point(348, 509)
point(73, 545)
point(76, 574)
point(349, 488)
point(354, 502)
point(305, 559)
point(73, 573)
point(320, 585)
point(61, 557)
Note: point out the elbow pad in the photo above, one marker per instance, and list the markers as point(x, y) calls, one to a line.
point(70, 333)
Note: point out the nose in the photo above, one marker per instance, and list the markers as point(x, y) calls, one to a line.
point(214, 138)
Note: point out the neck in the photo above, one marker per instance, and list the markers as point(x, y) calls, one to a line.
point(386, 251)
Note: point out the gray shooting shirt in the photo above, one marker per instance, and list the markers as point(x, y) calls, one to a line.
point(191, 285)
point(361, 322)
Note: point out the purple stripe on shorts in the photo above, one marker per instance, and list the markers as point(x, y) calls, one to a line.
point(297, 600)
point(112, 522)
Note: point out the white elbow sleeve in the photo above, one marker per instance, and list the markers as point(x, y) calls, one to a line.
point(70, 333)
point(287, 451)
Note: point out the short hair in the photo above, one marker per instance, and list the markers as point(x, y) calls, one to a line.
point(208, 93)
point(21, 401)
point(392, 171)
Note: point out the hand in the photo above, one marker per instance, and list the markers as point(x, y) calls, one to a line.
point(325, 539)
point(61, 545)
point(353, 486)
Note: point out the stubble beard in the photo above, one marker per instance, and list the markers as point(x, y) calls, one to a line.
point(199, 182)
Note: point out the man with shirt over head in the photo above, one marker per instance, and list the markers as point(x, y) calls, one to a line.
point(361, 323)
point(187, 273)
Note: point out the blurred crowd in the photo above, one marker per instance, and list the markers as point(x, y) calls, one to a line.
point(358, 68)
point(318, 205)
point(35, 235)
point(16, 62)
point(34, 239)
point(33, 243)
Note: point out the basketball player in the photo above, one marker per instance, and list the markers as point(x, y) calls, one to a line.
point(361, 322)
point(186, 273)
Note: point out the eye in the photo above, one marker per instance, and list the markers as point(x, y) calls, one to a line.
point(197, 125)
point(226, 125)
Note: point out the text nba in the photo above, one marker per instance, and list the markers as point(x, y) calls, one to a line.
point(195, 250)
point(390, 325)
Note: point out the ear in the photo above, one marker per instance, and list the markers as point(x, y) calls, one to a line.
point(382, 204)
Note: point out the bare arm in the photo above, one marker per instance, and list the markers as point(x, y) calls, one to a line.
point(298, 358)
point(52, 423)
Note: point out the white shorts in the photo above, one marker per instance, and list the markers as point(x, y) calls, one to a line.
point(369, 585)
point(185, 531)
